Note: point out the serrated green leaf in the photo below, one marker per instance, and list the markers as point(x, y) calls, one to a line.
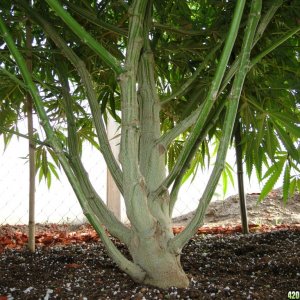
point(287, 121)
point(191, 171)
point(91, 140)
point(229, 172)
point(48, 180)
point(38, 158)
point(216, 144)
point(54, 157)
point(53, 170)
point(44, 164)
point(287, 142)
point(270, 147)
point(207, 152)
point(258, 160)
point(286, 183)
point(103, 99)
point(249, 164)
point(271, 170)
point(41, 174)
point(203, 153)
point(295, 166)
point(260, 131)
point(249, 154)
point(6, 138)
point(292, 187)
point(195, 170)
point(298, 184)
point(272, 180)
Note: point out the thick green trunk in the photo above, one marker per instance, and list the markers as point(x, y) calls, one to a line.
point(149, 244)
point(163, 269)
point(154, 249)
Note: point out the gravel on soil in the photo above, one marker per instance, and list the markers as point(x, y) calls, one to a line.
point(255, 266)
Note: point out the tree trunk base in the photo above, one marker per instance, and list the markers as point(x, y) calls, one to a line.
point(163, 269)
point(164, 279)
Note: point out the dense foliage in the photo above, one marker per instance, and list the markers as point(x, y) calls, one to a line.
point(178, 75)
point(186, 39)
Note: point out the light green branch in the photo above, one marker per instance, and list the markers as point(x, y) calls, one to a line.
point(85, 36)
point(266, 19)
point(182, 31)
point(135, 189)
point(114, 226)
point(20, 82)
point(264, 23)
point(151, 160)
point(177, 183)
point(87, 82)
point(14, 78)
point(51, 138)
point(168, 137)
point(183, 88)
point(93, 19)
point(28, 81)
point(180, 240)
point(2, 128)
point(210, 99)
point(117, 256)
point(277, 43)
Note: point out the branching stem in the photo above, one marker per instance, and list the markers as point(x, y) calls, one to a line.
point(180, 240)
point(210, 99)
point(85, 36)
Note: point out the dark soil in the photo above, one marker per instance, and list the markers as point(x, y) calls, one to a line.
point(256, 266)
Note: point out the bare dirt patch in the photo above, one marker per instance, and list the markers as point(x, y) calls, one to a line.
point(271, 211)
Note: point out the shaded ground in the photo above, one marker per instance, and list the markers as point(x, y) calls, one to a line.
point(258, 266)
point(71, 262)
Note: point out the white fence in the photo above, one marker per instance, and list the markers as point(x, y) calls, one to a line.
point(59, 204)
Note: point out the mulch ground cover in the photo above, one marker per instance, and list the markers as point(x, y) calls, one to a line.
point(221, 263)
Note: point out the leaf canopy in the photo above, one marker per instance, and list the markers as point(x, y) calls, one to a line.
point(186, 38)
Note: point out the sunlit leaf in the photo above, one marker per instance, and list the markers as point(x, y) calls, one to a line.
point(44, 163)
point(287, 141)
point(287, 121)
point(53, 170)
point(273, 178)
point(48, 180)
point(286, 183)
